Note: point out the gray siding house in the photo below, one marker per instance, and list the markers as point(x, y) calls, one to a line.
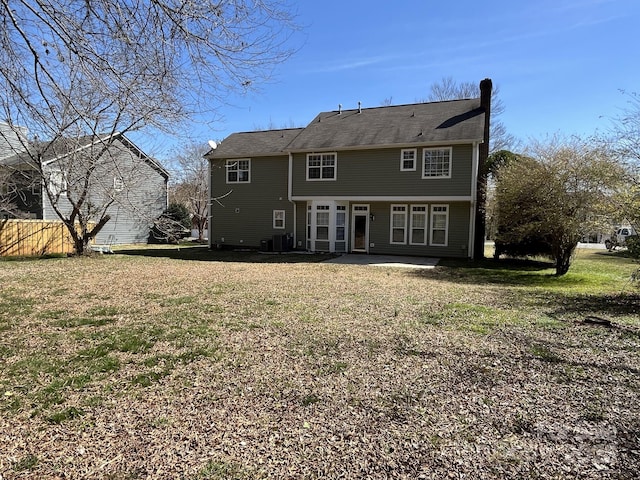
point(19, 192)
point(387, 180)
point(125, 183)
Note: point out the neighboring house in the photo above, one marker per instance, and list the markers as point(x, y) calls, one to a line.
point(126, 184)
point(19, 189)
point(388, 180)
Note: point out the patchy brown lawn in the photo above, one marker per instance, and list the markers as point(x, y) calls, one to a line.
point(133, 367)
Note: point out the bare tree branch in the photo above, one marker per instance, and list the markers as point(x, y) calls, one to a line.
point(72, 71)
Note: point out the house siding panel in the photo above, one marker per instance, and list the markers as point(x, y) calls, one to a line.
point(458, 235)
point(371, 173)
point(380, 226)
point(244, 216)
point(142, 200)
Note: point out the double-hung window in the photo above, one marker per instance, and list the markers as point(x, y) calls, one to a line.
point(439, 234)
point(57, 182)
point(238, 171)
point(408, 160)
point(322, 222)
point(118, 184)
point(321, 166)
point(278, 219)
point(418, 227)
point(398, 224)
point(436, 163)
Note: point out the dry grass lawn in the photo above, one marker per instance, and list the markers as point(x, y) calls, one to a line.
point(136, 367)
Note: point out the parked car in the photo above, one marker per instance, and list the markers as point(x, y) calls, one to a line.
point(619, 238)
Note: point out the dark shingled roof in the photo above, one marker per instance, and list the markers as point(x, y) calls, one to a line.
point(415, 124)
point(406, 125)
point(255, 144)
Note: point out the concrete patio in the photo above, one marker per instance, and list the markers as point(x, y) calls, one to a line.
point(384, 261)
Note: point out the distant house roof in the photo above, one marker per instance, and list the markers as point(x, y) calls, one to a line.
point(255, 144)
point(414, 124)
point(62, 147)
point(13, 145)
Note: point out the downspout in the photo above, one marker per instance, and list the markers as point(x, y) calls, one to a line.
point(472, 214)
point(289, 197)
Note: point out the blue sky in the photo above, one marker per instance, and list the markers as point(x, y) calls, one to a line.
point(559, 64)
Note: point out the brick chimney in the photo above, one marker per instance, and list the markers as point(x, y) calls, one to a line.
point(486, 86)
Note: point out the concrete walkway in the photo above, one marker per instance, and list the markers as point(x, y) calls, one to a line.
point(384, 261)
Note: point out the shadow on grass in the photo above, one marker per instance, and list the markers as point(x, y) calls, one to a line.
point(612, 305)
point(501, 272)
point(204, 254)
point(540, 276)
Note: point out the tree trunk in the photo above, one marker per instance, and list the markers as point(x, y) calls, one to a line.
point(563, 256)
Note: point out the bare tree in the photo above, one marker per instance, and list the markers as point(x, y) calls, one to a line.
point(191, 186)
point(625, 145)
point(449, 89)
point(72, 71)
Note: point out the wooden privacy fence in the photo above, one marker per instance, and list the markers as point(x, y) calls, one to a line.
point(34, 238)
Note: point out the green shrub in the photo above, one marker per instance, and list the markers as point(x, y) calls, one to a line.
point(633, 245)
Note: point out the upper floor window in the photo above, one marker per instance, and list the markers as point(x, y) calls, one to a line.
point(238, 171)
point(408, 159)
point(321, 166)
point(436, 163)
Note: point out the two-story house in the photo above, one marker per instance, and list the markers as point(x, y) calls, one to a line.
point(387, 180)
point(113, 176)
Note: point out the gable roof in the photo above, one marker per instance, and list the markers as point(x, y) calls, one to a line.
point(453, 121)
point(255, 144)
point(413, 124)
point(62, 147)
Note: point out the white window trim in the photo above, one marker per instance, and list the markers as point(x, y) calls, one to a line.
point(431, 229)
point(406, 223)
point(415, 159)
point(330, 207)
point(236, 161)
point(425, 150)
point(325, 209)
point(57, 182)
point(118, 184)
point(341, 208)
point(275, 219)
point(426, 224)
point(335, 167)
